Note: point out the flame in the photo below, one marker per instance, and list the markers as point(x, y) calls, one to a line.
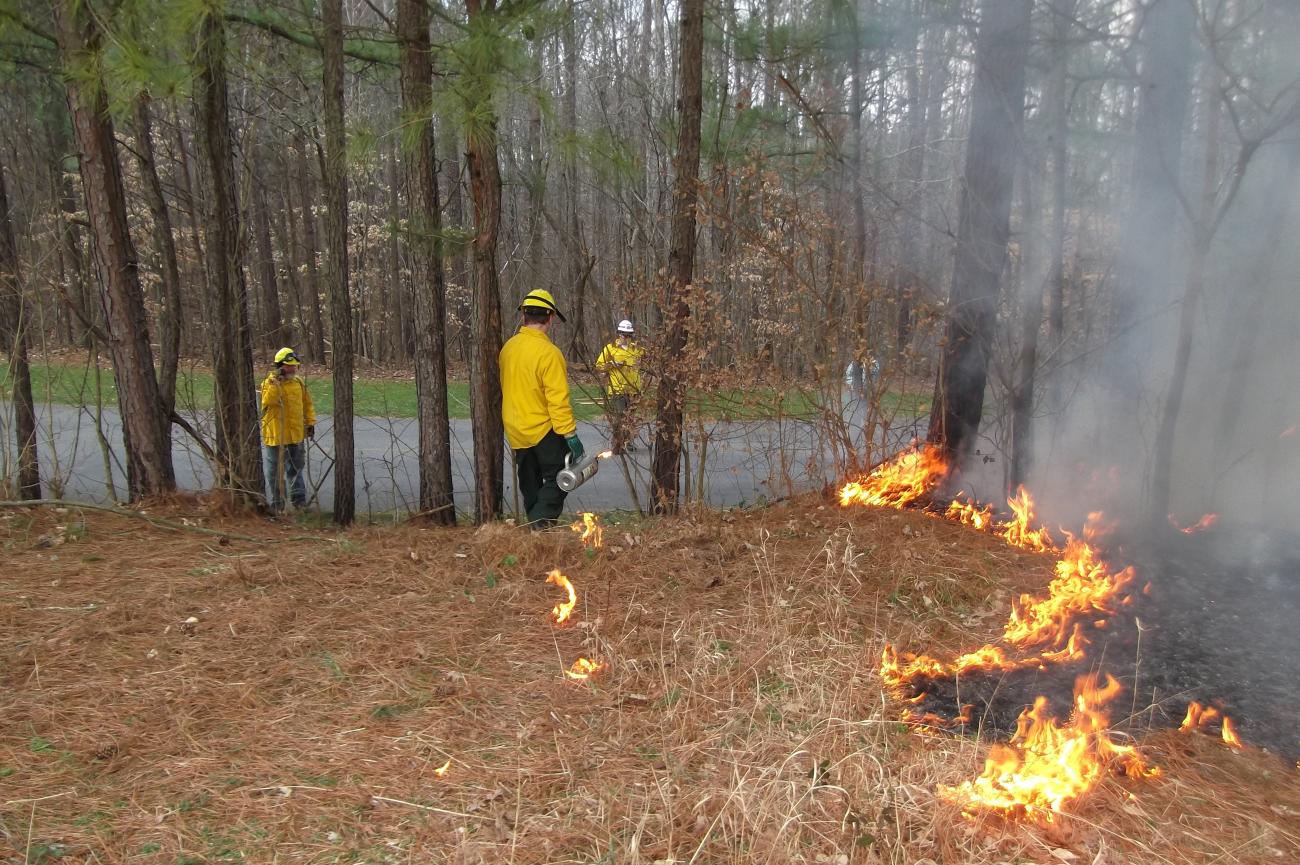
point(563, 610)
point(1047, 765)
point(588, 525)
point(604, 455)
point(969, 513)
point(1197, 717)
point(1199, 526)
point(441, 771)
point(1018, 533)
point(1083, 586)
point(1230, 737)
point(898, 482)
point(1289, 431)
point(584, 668)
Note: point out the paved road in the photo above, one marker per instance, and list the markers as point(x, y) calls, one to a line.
point(744, 463)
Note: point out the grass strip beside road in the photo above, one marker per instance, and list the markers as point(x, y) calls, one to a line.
point(75, 384)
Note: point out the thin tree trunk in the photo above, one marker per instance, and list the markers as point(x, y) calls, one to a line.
point(15, 324)
point(1144, 278)
point(984, 223)
point(239, 464)
point(666, 461)
point(484, 372)
point(146, 427)
point(272, 319)
point(1022, 400)
point(1163, 458)
point(459, 268)
point(576, 257)
point(170, 316)
point(307, 190)
point(425, 250)
point(335, 179)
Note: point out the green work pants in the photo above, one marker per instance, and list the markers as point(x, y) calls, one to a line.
point(538, 466)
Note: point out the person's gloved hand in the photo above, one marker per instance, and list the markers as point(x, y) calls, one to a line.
point(575, 446)
point(311, 431)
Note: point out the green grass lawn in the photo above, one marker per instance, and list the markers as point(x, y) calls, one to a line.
point(75, 384)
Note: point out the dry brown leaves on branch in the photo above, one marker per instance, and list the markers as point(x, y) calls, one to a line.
point(394, 695)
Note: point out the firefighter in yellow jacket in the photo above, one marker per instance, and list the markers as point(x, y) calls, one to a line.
point(535, 409)
point(619, 362)
point(288, 418)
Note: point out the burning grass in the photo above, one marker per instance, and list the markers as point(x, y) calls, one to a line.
point(403, 695)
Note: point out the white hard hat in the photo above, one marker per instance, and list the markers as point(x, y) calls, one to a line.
point(625, 326)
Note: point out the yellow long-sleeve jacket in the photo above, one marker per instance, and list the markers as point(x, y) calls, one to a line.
point(534, 389)
point(619, 363)
point(286, 410)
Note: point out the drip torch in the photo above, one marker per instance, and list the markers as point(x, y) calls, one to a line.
point(572, 477)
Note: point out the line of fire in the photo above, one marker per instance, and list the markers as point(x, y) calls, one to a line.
point(1052, 683)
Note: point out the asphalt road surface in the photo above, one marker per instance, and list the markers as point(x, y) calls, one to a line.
point(745, 463)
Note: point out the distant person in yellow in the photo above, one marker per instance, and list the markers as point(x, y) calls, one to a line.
point(535, 409)
point(288, 418)
point(619, 362)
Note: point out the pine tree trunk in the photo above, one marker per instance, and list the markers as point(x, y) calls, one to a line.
point(169, 317)
point(984, 223)
point(15, 325)
point(425, 250)
point(146, 427)
point(307, 190)
point(273, 336)
point(335, 180)
point(239, 464)
point(666, 461)
point(1155, 221)
point(484, 372)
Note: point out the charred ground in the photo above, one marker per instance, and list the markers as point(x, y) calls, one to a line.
point(170, 696)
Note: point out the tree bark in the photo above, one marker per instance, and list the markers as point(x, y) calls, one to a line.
point(666, 460)
point(1144, 277)
point(984, 223)
point(273, 335)
point(335, 180)
point(239, 464)
point(485, 190)
point(1022, 400)
point(307, 191)
point(146, 428)
point(15, 324)
point(170, 316)
point(425, 249)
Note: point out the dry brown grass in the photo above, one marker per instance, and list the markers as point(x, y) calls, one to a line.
point(302, 715)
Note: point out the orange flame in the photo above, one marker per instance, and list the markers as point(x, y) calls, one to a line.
point(969, 513)
point(588, 525)
point(584, 668)
point(604, 455)
point(1199, 526)
point(1230, 737)
point(1083, 586)
point(441, 771)
point(1018, 533)
point(1047, 766)
point(898, 482)
point(563, 610)
point(1197, 717)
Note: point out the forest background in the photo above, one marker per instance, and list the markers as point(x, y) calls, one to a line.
point(1058, 226)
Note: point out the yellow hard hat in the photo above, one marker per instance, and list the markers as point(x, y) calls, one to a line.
point(540, 299)
point(287, 356)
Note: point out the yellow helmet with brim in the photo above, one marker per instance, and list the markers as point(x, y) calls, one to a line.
point(287, 357)
point(540, 300)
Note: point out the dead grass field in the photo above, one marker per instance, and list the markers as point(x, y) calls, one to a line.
point(166, 697)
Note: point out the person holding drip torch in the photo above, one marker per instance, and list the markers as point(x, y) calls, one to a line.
point(535, 409)
point(288, 418)
point(618, 362)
